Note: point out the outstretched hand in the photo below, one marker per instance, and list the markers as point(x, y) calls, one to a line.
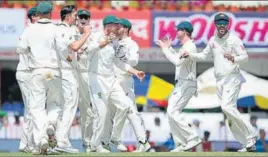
point(164, 43)
point(140, 75)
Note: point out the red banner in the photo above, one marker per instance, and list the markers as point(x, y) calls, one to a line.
point(141, 23)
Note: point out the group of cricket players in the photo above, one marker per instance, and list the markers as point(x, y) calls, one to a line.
point(66, 65)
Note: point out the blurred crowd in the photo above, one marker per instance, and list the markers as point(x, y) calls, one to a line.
point(171, 5)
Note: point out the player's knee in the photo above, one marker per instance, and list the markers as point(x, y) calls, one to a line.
point(226, 108)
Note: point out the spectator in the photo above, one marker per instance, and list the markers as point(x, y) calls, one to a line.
point(206, 144)
point(159, 133)
point(253, 122)
point(222, 131)
point(197, 128)
point(261, 144)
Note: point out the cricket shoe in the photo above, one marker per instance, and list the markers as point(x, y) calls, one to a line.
point(100, 149)
point(244, 149)
point(66, 150)
point(178, 149)
point(251, 142)
point(192, 143)
point(26, 150)
point(44, 146)
point(87, 148)
point(52, 151)
point(51, 136)
point(142, 147)
point(119, 146)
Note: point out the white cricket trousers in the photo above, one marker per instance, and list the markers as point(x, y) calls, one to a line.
point(86, 113)
point(41, 81)
point(179, 98)
point(70, 96)
point(127, 83)
point(103, 91)
point(24, 77)
point(228, 88)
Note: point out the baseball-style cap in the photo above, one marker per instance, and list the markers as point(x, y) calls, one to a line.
point(31, 12)
point(83, 12)
point(221, 19)
point(186, 26)
point(126, 23)
point(110, 19)
point(44, 8)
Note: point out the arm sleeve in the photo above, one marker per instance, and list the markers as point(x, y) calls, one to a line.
point(63, 40)
point(241, 55)
point(173, 57)
point(92, 44)
point(205, 54)
point(121, 64)
point(133, 55)
point(23, 44)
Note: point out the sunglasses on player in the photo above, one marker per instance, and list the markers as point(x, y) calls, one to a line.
point(83, 17)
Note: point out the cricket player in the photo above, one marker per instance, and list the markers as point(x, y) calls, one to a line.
point(228, 52)
point(127, 51)
point(38, 42)
point(85, 108)
point(184, 135)
point(23, 76)
point(66, 47)
point(102, 83)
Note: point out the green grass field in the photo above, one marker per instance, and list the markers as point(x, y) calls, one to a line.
point(153, 154)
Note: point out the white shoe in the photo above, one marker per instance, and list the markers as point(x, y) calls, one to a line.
point(100, 149)
point(178, 149)
point(192, 143)
point(251, 142)
point(142, 147)
point(25, 150)
point(44, 146)
point(119, 146)
point(51, 151)
point(244, 149)
point(66, 150)
point(87, 149)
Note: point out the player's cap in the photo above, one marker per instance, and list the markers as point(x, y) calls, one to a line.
point(110, 19)
point(44, 8)
point(83, 12)
point(126, 23)
point(31, 12)
point(186, 26)
point(221, 19)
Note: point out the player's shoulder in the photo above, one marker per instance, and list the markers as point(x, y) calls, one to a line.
point(133, 42)
point(234, 37)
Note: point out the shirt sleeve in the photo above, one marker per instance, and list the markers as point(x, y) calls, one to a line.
point(92, 45)
point(204, 55)
point(121, 64)
point(241, 55)
point(172, 56)
point(133, 59)
point(128, 52)
point(63, 40)
point(23, 44)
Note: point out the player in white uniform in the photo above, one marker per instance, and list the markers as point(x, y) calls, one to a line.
point(38, 42)
point(102, 86)
point(85, 108)
point(66, 45)
point(228, 52)
point(23, 76)
point(127, 51)
point(184, 135)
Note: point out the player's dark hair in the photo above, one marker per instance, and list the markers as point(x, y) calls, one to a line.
point(68, 9)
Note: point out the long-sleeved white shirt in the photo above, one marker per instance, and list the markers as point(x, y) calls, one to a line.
point(38, 41)
point(128, 51)
point(102, 60)
point(65, 37)
point(217, 47)
point(185, 67)
point(23, 58)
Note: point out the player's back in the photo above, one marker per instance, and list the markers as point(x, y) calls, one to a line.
point(41, 39)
